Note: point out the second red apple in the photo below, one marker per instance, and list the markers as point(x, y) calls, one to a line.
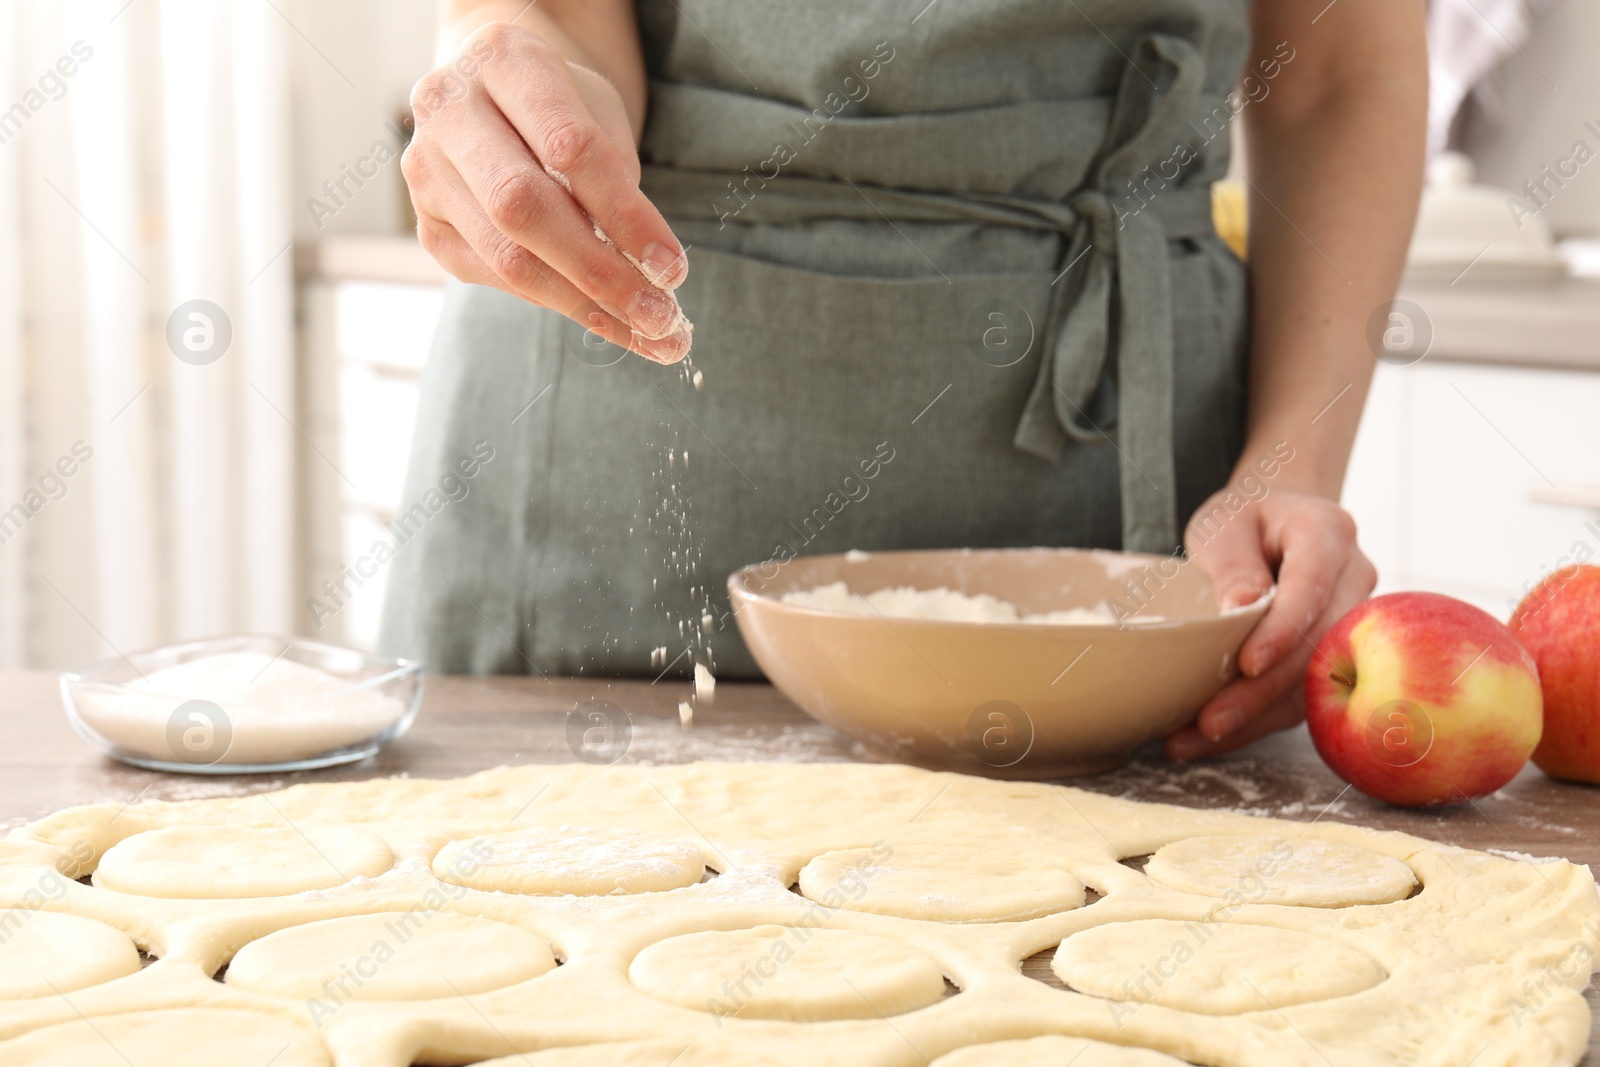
point(1559, 622)
point(1421, 699)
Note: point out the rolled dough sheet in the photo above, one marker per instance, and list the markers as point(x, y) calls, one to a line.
point(1055, 1051)
point(647, 1054)
point(1483, 965)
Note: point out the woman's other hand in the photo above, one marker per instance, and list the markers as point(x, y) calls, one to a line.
point(525, 176)
point(1336, 155)
point(1309, 542)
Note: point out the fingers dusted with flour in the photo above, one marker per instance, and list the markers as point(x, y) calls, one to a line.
point(472, 249)
point(524, 173)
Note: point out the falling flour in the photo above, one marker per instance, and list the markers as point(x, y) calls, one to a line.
point(275, 709)
point(705, 684)
point(680, 565)
point(947, 605)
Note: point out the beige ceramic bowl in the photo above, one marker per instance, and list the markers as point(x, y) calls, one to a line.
point(1012, 700)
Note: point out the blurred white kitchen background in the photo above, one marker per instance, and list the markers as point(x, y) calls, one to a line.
point(244, 154)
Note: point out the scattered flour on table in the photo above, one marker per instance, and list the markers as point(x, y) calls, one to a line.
point(1251, 787)
point(210, 788)
point(1530, 819)
point(946, 605)
point(277, 709)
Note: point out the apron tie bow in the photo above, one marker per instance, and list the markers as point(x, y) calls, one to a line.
point(1114, 290)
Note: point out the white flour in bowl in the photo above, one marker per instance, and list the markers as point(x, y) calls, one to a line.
point(947, 605)
point(277, 709)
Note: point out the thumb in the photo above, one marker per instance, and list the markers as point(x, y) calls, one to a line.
point(1231, 553)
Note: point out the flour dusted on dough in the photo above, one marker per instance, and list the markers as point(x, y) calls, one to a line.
point(947, 605)
point(570, 861)
point(277, 709)
point(945, 881)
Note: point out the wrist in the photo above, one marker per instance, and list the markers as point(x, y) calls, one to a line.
point(461, 23)
point(1281, 464)
point(456, 37)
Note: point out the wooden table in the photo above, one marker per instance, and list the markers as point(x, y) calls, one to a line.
point(468, 724)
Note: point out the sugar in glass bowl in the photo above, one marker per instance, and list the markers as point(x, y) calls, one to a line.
point(242, 705)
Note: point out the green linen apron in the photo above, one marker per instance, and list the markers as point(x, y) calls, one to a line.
point(954, 282)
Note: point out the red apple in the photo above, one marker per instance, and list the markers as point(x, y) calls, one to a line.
point(1559, 622)
point(1418, 699)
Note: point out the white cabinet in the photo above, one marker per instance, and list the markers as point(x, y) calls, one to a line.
point(365, 344)
point(1476, 480)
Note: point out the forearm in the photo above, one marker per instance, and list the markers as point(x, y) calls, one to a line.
point(1336, 172)
point(599, 34)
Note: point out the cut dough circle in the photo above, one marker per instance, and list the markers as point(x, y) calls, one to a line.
point(183, 1037)
point(1257, 869)
point(939, 882)
point(1055, 1051)
point(1211, 968)
point(569, 862)
point(400, 955)
point(45, 952)
point(192, 862)
point(788, 972)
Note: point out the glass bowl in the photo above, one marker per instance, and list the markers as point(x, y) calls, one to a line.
point(263, 704)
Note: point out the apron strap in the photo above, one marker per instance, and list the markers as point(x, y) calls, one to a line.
point(1122, 254)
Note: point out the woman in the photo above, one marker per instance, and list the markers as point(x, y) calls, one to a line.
point(955, 281)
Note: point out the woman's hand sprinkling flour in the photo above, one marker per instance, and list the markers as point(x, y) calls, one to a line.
point(524, 172)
